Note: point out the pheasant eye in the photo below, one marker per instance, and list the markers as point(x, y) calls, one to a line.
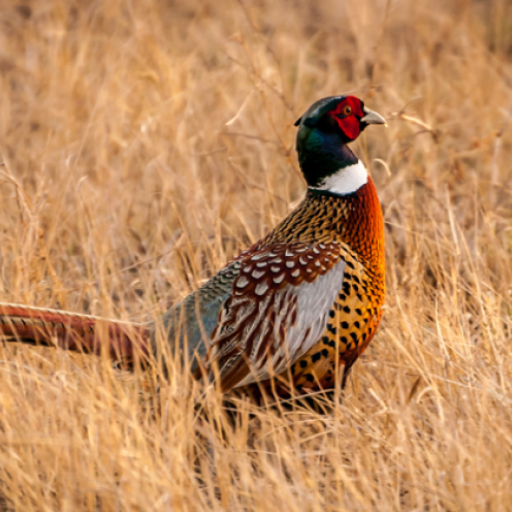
point(347, 110)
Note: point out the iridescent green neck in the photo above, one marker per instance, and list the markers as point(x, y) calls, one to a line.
point(322, 154)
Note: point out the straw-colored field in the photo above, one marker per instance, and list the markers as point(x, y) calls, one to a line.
point(144, 143)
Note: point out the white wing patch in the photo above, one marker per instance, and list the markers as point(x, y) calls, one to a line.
point(313, 301)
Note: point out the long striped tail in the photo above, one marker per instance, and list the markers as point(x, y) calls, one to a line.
point(122, 341)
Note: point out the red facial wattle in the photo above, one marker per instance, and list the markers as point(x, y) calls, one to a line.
point(349, 124)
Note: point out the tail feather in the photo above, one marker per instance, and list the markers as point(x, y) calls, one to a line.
point(122, 341)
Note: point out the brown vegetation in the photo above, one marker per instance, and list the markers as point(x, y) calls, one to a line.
point(144, 143)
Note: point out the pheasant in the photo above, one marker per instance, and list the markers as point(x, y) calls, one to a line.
point(287, 313)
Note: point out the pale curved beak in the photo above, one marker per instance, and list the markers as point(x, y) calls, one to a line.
point(372, 117)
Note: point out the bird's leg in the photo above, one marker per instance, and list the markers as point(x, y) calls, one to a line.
point(346, 371)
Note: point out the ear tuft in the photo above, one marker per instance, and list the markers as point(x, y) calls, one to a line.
point(297, 122)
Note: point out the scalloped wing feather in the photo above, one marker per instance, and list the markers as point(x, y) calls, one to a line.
point(277, 311)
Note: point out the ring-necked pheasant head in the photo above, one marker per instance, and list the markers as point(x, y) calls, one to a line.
point(324, 132)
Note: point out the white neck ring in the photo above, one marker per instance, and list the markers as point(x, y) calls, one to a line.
point(346, 180)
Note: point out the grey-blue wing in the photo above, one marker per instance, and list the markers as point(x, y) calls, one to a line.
point(188, 325)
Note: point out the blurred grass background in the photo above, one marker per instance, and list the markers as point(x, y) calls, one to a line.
point(144, 143)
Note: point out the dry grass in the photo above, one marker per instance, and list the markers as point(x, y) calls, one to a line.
point(146, 142)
